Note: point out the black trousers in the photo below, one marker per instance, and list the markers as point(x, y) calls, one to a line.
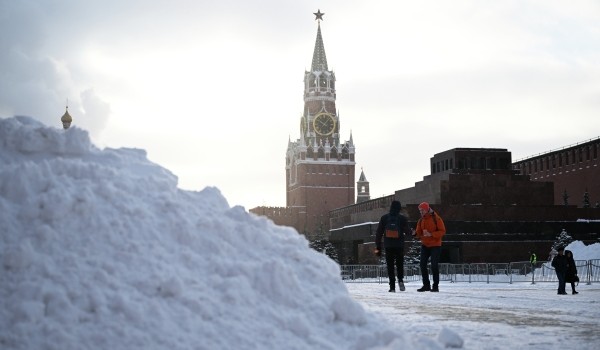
point(433, 253)
point(561, 281)
point(394, 258)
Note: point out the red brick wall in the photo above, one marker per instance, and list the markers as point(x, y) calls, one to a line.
point(321, 188)
point(573, 169)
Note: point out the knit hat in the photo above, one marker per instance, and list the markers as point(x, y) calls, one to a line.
point(424, 206)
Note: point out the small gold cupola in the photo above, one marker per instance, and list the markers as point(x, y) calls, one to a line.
point(66, 119)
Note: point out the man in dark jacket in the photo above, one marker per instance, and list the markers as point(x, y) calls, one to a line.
point(392, 228)
point(560, 264)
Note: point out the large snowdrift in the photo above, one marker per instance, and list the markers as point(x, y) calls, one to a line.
point(101, 250)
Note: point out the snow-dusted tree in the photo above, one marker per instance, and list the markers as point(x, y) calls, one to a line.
point(562, 240)
point(565, 197)
point(586, 199)
point(413, 254)
point(325, 247)
point(319, 241)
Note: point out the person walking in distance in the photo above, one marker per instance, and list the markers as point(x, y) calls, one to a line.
point(532, 258)
point(571, 274)
point(560, 265)
point(392, 228)
point(533, 261)
point(430, 230)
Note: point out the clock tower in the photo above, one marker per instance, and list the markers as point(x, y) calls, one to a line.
point(319, 167)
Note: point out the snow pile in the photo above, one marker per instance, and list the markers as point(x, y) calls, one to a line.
point(582, 252)
point(101, 250)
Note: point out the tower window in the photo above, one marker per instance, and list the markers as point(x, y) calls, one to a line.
point(334, 153)
point(323, 81)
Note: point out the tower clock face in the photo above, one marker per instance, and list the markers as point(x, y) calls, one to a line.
point(324, 124)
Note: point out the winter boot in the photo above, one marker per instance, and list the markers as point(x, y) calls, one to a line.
point(401, 284)
point(435, 288)
point(424, 289)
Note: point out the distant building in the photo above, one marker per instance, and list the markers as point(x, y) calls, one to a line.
point(493, 213)
point(319, 166)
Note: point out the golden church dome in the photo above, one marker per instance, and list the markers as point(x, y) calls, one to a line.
point(66, 119)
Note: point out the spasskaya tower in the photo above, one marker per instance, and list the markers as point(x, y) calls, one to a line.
point(319, 167)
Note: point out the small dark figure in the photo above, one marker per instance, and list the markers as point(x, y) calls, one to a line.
point(571, 275)
point(532, 258)
point(560, 265)
point(392, 228)
point(533, 261)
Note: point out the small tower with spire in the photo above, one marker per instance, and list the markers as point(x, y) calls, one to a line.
point(362, 186)
point(66, 118)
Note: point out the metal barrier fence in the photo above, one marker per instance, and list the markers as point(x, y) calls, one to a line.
point(521, 271)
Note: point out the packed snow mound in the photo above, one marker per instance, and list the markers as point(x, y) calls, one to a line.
point(584, 252)
point(101, 250)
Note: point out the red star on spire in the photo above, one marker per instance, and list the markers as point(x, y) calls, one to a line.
point(319, 15)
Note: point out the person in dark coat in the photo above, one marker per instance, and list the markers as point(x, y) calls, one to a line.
point(571, 275)
point(393, 243)
point(560, 265)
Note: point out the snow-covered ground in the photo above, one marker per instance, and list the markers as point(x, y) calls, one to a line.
point(491, 316)
point(99, 249)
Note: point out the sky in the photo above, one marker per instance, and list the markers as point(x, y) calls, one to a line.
point(212, 90)
point(100, 249)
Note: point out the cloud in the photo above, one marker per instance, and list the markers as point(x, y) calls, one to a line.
point(203, 74)
point(96, 112)
point(32, 82)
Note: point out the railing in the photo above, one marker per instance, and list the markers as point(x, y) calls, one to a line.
point(521, 271)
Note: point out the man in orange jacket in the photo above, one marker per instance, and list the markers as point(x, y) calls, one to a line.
point(430, 230)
